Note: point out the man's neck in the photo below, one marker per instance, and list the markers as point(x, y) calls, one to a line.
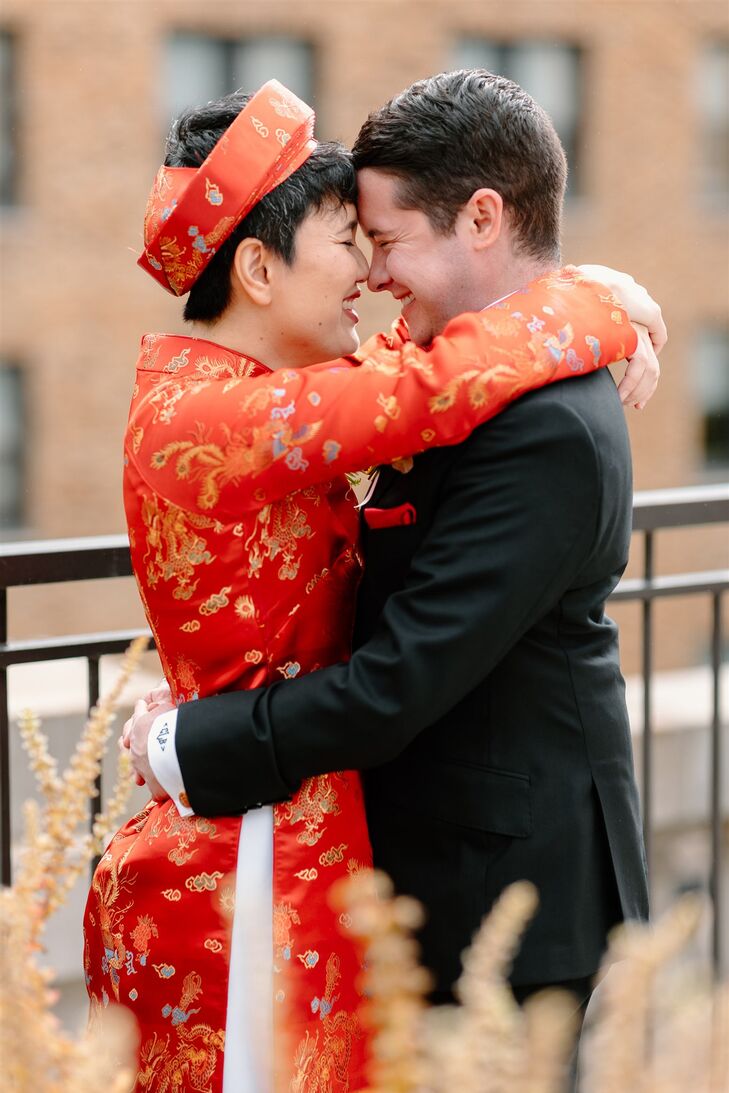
point(514, 276)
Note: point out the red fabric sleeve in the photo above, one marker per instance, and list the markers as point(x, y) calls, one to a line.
point(239, 445)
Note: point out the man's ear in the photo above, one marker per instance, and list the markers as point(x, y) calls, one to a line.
point(483, 216)
point(251, 269)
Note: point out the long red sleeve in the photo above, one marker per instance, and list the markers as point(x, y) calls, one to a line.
point(221, 446)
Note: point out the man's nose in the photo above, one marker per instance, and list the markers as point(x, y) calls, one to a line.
point(379, 278)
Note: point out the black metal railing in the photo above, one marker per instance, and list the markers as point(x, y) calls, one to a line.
point(65, 560)
point(54, 561)
point(654, 511)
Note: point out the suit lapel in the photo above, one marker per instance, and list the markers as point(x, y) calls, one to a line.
point(387, 480)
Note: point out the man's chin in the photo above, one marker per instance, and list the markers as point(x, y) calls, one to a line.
point(420, 332)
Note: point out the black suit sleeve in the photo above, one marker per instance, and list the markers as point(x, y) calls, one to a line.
point(515, 521)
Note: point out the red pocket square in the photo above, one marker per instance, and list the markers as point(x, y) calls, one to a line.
point(390, 518)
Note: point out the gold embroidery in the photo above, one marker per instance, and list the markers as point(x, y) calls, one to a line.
point(316, 800)
point(333, 855)
point(241, 454)
point(204, 882)
point(245, 608)
point(194, 1060)
point(174, 546)
point(307, 874)
point(137, 434)
point(185, 674)
point(164, 971)
point(276, 533)
point(108, 887)
point(284, 917)
point(318, 1065)
point(216, 602)
point(180, 272)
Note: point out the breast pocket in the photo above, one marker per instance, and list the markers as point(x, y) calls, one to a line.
point(379, 519)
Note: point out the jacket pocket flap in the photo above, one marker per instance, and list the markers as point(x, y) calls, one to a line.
point(491, 800)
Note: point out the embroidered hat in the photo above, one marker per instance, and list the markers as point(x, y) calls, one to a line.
point(192, 210)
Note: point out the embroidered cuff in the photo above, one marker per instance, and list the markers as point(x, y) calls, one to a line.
point(163, 760)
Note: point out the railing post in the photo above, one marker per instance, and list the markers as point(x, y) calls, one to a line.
point(5, 832)
point(716, 779)
point(95, 804)
point(647, 702)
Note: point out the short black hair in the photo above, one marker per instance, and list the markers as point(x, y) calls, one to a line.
point(454, 133)
point(326, 177)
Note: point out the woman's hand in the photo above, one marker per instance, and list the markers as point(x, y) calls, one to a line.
point(641, 307)
point(641, 376)
point(643, 371)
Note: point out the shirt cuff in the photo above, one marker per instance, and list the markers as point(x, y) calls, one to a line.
point(163, 760)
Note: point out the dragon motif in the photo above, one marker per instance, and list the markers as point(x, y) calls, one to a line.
point(321, 1062)
point(316, 800)
point(108, 887)
point(193, 1063)
point(174, 545)
point(275, 535)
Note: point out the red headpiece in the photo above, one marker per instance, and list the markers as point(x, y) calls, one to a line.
point(192, 210)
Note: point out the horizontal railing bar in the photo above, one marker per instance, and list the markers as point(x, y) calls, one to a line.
point(52, 561)
point(68, 647)
point(679, 584)
point(687, 506)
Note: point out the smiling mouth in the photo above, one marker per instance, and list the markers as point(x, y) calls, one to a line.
point(405, 300)
point(348, 306)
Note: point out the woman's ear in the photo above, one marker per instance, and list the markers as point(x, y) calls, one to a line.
point(251, 269)
point(484, 213)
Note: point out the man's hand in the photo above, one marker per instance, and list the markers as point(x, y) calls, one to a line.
point(641, 376)
point(136, 733)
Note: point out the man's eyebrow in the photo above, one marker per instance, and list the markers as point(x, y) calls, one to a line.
point(375, 231)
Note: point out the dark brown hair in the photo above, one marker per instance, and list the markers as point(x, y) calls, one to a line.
point(457, 132)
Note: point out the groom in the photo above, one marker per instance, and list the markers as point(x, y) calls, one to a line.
point(484, 700)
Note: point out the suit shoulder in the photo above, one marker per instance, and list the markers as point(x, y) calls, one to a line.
point(561, 413)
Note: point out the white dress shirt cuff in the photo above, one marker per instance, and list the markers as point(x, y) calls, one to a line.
point(163, 760)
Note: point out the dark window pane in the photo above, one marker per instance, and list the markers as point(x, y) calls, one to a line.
point(713, 105)
point(196, 71)
point(8, 121)
point(199, 68)
point(712, 381)
point(286, 59)
point(12, 447)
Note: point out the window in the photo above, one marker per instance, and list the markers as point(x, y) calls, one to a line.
point(8, 127)
point(713, 95)
point(552, 74)
point(712, 362)
point(200, 68)
point(12, 448)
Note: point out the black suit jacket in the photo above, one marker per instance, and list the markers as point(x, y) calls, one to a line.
point(484, 699)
